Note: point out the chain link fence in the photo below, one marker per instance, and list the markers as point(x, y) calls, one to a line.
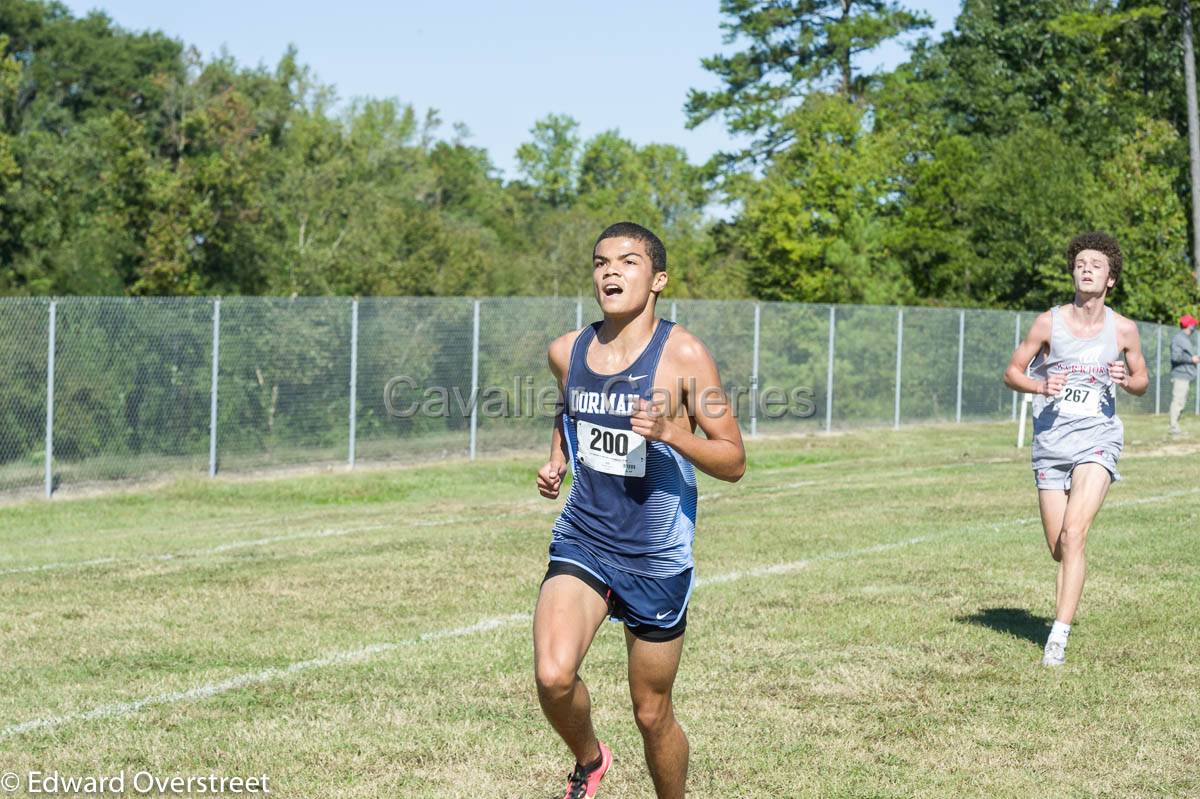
point(112, 389)
point(23, 349)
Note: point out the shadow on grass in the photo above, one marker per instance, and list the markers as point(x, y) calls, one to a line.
point(1017, 622)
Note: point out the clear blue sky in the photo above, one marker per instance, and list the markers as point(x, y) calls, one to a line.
point(496, 67)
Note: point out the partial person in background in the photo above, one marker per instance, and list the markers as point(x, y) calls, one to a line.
point(1183, 369)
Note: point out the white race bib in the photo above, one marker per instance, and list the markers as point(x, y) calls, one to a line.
point(619, 452)
point(1079, 401)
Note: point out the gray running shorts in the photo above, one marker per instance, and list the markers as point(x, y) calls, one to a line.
point(1061, 444)
point(1051, 474)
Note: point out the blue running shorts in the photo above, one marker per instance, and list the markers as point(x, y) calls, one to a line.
point(653, 609)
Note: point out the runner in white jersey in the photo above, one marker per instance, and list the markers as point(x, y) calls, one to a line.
point(635, 389)
point(1075, 352)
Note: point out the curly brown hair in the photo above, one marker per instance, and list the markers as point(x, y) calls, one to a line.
point(1101, 242)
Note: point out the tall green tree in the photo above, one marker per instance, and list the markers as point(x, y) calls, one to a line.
point(77, 67)
point(1032, 104)
point(1134, 199)
point(655, 184)
point(10, 77)
point(550, 163)
point(813, 228)
point(1193, 117)
point(208, 231)
point(791, 49)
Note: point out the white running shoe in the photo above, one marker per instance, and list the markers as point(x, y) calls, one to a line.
point(1055, 653)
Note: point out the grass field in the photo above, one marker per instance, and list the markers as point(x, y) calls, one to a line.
point(869, 624)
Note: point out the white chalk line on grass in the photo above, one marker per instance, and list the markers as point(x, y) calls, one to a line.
point(1156, 498)
point(373, 650)
point(365, 653)
point(201, 526)
point(278, 539)
point(255, 542)
point(63, 565)
point(344, 531)
point(337, 532)
point(797, 565)
point(762, 490)
point(333, 532)
point(257, 678)
point(329, 533)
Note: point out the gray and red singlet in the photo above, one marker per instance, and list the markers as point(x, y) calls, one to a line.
point(1080, 425)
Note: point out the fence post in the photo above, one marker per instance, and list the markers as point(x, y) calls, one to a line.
point(899, 356)
point(578, 314)
point(50, 401)
point(674, 309)
point(754, 376)
point(474, 379)
point(962, 324)
point(1158, 371)
point(353, 376)
point(1016, 343)
point(212, 414)
point(829, 374)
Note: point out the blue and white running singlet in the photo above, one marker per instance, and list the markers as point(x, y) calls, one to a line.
point(632, 502)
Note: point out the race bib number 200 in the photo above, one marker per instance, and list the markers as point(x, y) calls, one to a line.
point(1079, 401)
point(619, 452)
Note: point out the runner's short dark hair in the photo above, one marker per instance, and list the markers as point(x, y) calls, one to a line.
point(1102, 242)
point(631, 230)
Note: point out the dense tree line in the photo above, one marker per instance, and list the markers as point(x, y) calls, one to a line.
point(130, 165)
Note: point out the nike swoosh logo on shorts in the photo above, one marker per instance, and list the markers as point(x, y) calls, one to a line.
point(665, 613)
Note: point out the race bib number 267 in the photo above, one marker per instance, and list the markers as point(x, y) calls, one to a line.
point(1079, 401)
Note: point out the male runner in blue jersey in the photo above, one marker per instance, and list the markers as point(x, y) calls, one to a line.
point(1076, 351)
point(634, 389)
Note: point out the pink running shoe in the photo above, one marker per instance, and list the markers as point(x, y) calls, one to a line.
point(583, 784)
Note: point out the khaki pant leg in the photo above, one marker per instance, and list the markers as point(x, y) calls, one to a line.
point(1179, 393)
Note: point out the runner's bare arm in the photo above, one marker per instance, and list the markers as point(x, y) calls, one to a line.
point(1132, 375)
point(549, 477)
point(1038, 339)
point(686, 363)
